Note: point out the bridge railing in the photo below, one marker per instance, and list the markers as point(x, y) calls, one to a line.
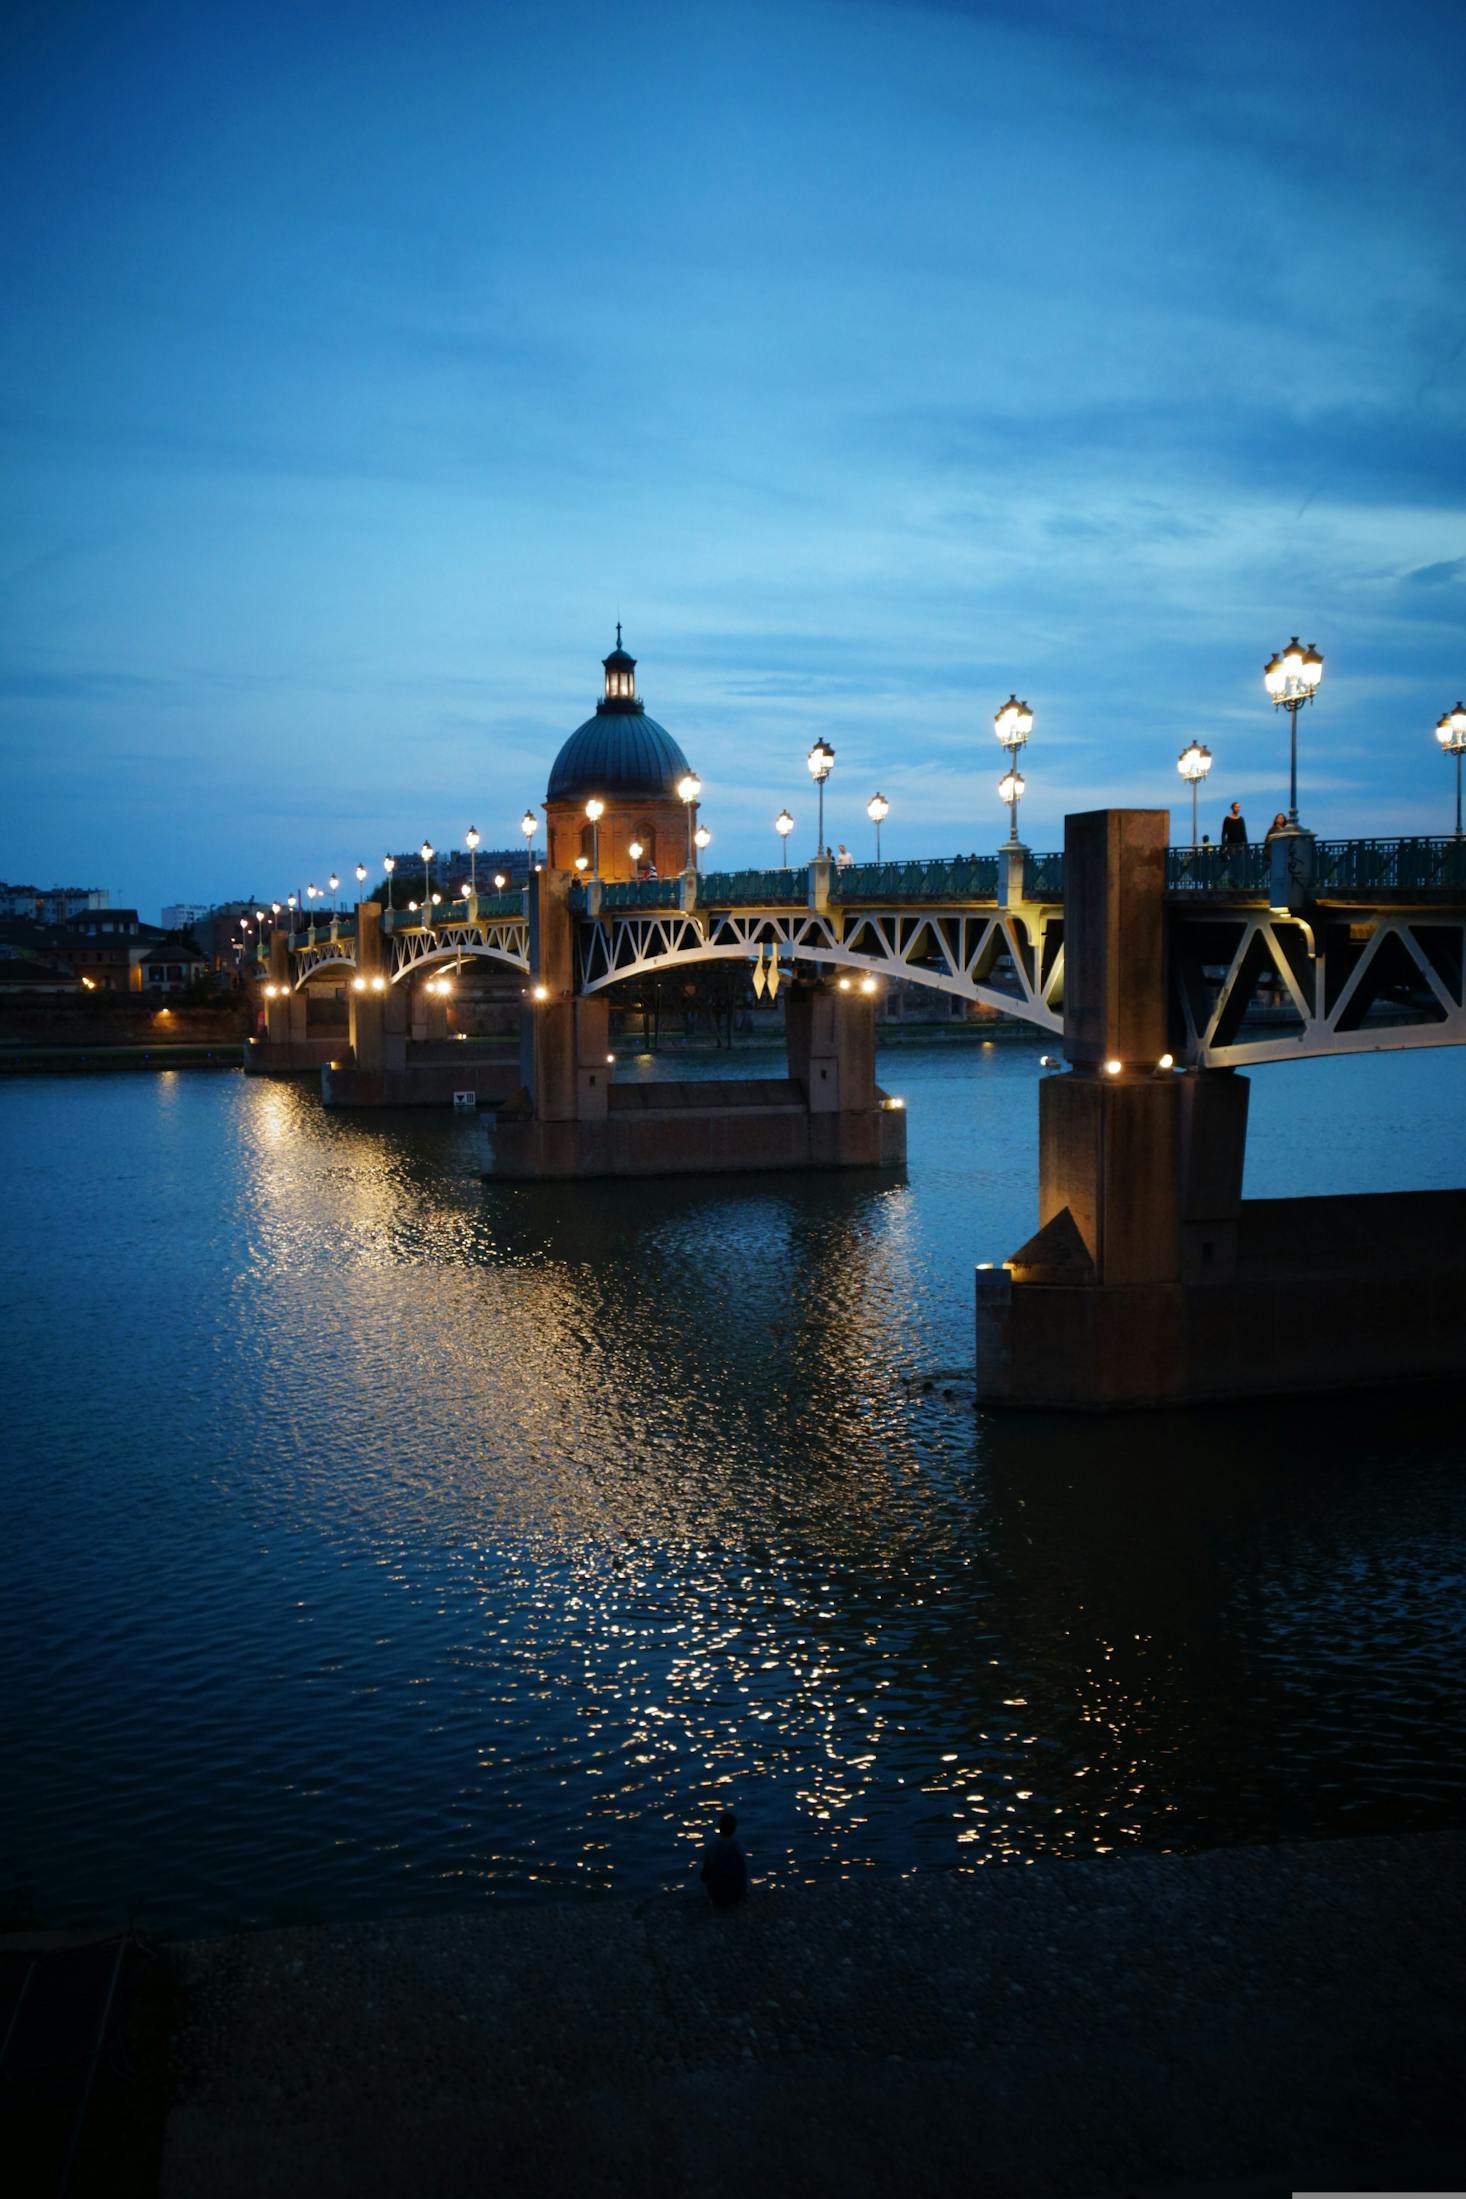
point(735, 889)
point(1043, 876)
point(631, 893)
point(949, 878)
point(1218, 872)
point(1389, 866)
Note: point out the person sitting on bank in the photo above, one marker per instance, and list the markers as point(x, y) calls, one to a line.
point(1234, 830)
point(724, 1865)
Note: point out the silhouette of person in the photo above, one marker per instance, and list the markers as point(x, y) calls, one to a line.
point(1234, 830)
point(1279, 824)
point(724, 1865)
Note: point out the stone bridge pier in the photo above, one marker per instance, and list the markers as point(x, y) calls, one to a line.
point(571, 1119)
point(1150, 1279)
point(400, 1051)
point(287, 1046)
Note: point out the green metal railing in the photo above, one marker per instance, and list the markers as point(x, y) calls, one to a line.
point(635, 893)
point(1219, 871)
point(1389, 866)
point(949, 878)
point(734, 889)
point(1043, 876)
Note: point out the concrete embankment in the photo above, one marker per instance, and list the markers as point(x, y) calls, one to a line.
point(1240, 2023)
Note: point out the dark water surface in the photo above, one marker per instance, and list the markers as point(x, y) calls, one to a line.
point(377, 1539)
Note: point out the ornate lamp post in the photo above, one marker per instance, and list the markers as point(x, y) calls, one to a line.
point(688, 789)
point(360, 878)
point(821, 762)
point(877, 809)
point(1193, 763)
point(426, 852)
point(595, 809)
point(1010, 788)
point(1013, 724)
point(335, 885)
point(527, 825)
point(1451, 733)
point(784, 825)
point(1291, 679)
point(470, 841)
point(700, 839)
point(389, 863)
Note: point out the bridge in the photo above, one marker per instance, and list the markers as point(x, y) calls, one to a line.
point(1275, 952)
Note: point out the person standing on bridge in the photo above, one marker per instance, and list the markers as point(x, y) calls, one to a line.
point(1234, 832)
point(844, 860)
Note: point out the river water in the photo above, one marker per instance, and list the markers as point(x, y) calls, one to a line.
point(379, 1539)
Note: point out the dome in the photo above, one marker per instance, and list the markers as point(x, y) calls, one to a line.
point(620, 751)
point(617, 752)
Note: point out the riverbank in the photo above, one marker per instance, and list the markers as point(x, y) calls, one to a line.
point(1247, 2021)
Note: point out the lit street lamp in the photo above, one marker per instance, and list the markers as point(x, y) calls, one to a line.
point(821, 762)
point(527, 825)
point(784, 825)
point(500, 881)
point(360, 878)
point(291, 900)
point(335, 885)
point(1013, 724)
point(390, 862)
point(426, 852)
point(1193, 763)
point(1291, 679)
point(700, 839)
point(1451, 733)
point(595, 809)
point(1010, 788)
point(636, 851)
point(877, 809)
point(470, 840)
point(688, 789)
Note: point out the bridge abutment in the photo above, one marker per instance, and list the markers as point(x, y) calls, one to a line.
point(1150, 1280)
point(286, 1047)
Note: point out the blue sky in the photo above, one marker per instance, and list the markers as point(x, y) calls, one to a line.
point(361, 367)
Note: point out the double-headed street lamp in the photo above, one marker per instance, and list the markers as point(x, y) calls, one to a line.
point(1193, 763)
point(1291, 679)
point(784, 825)
point(689, 786)
point(877, 809)
point(1451, 733)
point(821, 762)
point(1012, 724)
point(595, 809)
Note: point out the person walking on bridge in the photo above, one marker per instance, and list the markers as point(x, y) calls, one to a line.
point(1234, 832)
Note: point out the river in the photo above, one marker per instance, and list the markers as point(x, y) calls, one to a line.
point(378, 1539)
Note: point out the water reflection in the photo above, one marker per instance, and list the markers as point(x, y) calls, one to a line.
point(410, 1538)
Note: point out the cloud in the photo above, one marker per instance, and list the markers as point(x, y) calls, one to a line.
point(1436, 576)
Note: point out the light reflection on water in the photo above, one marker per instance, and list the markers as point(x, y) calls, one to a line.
point(379, 1538)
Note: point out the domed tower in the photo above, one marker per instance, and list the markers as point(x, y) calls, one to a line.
point(624, 759)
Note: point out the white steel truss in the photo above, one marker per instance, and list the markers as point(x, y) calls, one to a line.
point(502, 939)
point(983, 955)
point(1257, 986)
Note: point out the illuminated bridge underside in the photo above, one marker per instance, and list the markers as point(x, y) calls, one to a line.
point(501, 939)
point(983, 955)
point(1252, 986)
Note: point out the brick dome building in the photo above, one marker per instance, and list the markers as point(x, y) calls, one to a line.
point(624, 759)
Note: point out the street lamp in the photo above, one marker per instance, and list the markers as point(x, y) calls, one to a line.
point(500, 881)
point(335, 885)
point(1193, 763)
point(877, 809)
point(1013, 724)
point(784, 825)
point(360, 878)
point(1451, 733)
point(1291, 679)
point(688, 789)
point(1010, 788)
point(636, 851)
point(426, 852)
point(291, 899)
point(595, 809)
point(700, 839)
point(821, 762)
point(527, 825)
point(470, 839)
point(390, 864)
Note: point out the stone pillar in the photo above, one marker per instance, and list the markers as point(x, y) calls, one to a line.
point(277, 1008)
point(830, 1043)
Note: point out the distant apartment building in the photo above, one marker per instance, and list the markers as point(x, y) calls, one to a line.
point(181, 916)
point(452, 868)
point(50, 904)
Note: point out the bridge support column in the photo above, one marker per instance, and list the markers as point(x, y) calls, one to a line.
point(286, 1047)
point(1140, 1170)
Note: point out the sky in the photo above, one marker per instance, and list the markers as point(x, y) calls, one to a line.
point(361, 366)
